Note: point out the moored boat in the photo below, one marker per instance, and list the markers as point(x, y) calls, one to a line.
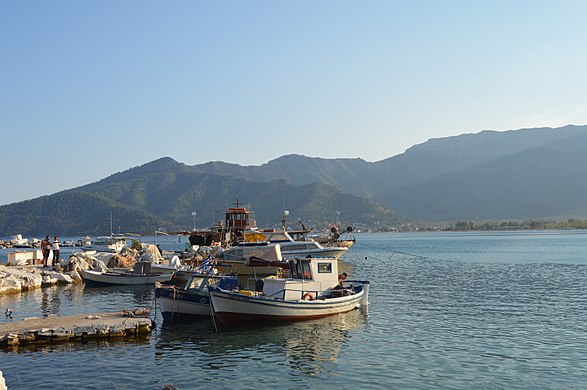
point(312, 291)
point(192, 300)
point(114, 278)
point(293, 248)
point(112, 243)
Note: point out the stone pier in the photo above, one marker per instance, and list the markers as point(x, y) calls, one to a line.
point(80, 327)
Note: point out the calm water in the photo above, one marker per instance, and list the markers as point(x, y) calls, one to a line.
point(448, 310)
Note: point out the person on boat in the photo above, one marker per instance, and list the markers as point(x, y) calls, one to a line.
point(341, 278)
point(46, 248)
point(55, 248)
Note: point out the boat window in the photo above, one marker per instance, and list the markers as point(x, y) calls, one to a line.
point(324, 268)
point(295, 269)
point(195, 283)
point(213, 282)
point(307, 273)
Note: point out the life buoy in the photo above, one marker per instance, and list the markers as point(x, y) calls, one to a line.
point(308, 297)
point(203, 300)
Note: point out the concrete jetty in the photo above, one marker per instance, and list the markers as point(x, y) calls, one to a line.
point(80, 327)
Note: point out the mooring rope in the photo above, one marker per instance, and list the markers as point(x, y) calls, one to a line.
point(387, 250)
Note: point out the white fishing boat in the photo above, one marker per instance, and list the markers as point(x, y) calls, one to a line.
point(311, 291)
point(19, 242)
point(291, 247)
point(139, 276)
point(112, 243)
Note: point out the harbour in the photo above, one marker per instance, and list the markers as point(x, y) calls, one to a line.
point(458, 310)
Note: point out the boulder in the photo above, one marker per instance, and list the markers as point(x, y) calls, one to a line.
point(48, 280)
point(9, 285)
point(63, 278)
point(29, 279)
point(2, 382)
point(75, 276)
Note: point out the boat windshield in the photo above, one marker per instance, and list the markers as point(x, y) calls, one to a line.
point(196, 282)
point(300, 269)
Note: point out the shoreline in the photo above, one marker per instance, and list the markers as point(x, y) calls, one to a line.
point(18, 278)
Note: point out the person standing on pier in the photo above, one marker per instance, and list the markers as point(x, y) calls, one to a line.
point(55, 248)
point(46, 247)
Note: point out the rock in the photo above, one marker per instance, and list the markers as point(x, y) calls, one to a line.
point(29, 280)
point(10, 285)
point(75, 276)
point(63, 278)
point(2, 382)
point(48, 281)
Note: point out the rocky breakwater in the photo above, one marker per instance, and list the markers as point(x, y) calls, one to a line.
point(14, 279)
point(17, 278)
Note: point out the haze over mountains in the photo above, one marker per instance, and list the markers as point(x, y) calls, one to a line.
point(514, 175)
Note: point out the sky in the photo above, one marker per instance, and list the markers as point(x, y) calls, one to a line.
point(91, 88)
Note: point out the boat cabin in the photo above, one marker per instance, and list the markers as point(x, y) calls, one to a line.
point(198, 283)
point(308, 278)
point(239, 219)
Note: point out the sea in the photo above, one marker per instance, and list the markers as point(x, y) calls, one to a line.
point(475, 310)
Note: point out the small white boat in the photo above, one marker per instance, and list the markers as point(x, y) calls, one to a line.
point(312, 291)
point(112, 243)
point(19, 242)
point(114, 278)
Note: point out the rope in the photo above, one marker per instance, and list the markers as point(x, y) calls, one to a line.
point(212, 312)
point(392, 252)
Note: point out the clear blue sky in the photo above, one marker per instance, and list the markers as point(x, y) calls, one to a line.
point(90, 88)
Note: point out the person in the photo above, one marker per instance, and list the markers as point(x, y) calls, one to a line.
point(55, 248)
point(46, 248)
point(341, 278)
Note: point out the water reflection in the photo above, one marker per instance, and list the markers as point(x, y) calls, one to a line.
point(306, 346)
point(133, 296)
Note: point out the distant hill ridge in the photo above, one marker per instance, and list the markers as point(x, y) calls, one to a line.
point(518, 174)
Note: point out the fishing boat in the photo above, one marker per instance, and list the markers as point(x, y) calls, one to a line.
point(312, 290)
point(18, 242)
point(192, 300)
point(140, 275)
point(113, 243)
point(291, 247)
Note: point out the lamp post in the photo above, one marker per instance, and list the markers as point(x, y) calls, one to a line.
point(284, 219)
point(194, 215)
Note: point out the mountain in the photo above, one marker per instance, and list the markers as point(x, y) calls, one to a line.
point(162, 195)
point(519, 174)
point(546, 180)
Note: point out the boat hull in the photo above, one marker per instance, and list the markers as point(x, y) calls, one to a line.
point(94, 278)
point(233, 307)
point(182, 305)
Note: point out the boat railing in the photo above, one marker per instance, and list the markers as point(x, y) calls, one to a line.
point(357, 281)
point(281, 293)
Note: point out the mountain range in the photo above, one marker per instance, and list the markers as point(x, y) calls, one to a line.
point(521, 174)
